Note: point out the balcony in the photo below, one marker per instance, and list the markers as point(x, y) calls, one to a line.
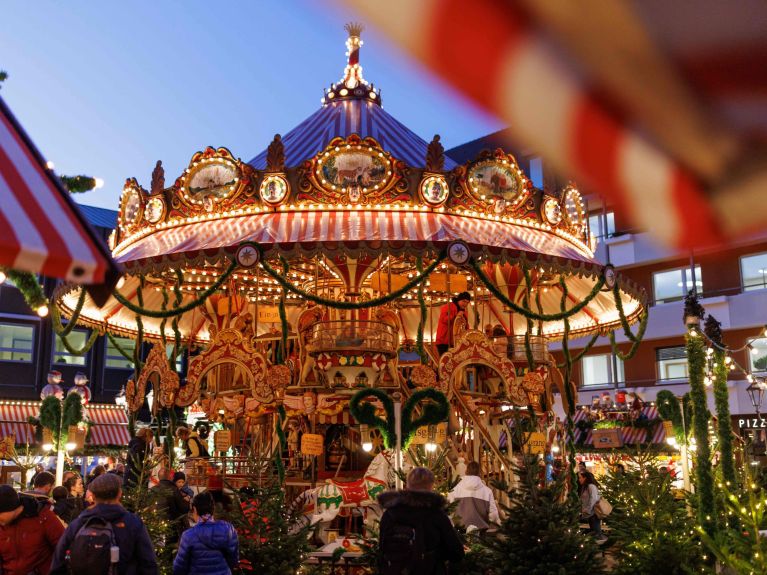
point(352, 336)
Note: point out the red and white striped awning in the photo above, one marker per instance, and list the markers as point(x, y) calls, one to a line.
point(110, 423)
point(659, 106)
point(42, 229)
point(342, 229)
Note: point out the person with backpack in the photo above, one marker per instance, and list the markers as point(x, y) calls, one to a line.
point(416, 536)
point(476, 503)
point(29, 532)
point(195, 448)
point(106, 539)
point(211, 546)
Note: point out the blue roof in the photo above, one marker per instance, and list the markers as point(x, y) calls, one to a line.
point(99, 217)
point(343, 118)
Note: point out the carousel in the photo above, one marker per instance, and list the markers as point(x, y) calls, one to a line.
point(325, 265)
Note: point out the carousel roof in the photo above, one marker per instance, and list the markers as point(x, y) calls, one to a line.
point(357, 115)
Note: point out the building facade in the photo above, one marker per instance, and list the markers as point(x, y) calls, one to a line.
point(731, 283)
point(29, 348)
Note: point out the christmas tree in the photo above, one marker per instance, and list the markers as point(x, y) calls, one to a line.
point(540, 534)
point(651, 529)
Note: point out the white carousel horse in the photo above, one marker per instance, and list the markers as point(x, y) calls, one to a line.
point(323, 503)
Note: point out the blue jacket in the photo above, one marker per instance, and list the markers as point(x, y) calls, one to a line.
point(209, 548)
point(136, 550)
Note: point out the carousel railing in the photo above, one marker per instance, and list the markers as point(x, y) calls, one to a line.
point(234, 472)
point(538, 346)
point(352, 335)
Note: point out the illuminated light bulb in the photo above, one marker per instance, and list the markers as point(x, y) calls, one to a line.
point(367, 447)
point(42, 311)
point(99, 183)
point(3, 277)
point(49, 165)
point(70, 445)
point(431, 447)
point(47, 446)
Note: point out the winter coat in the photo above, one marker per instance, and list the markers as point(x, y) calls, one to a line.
point(136, 550)
point(195, 447)
point(209, 548)
point(27, 544)
point(589, 497)
point(447, 315)
point(137, 450)
point(169, 499)
point(68, 509)
point(476, 503)
point(422, 510)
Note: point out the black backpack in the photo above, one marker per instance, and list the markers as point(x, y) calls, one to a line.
point(91, 549)
point(403, 551)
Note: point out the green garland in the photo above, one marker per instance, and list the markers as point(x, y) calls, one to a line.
point(349, 304)
point(583, 352)
point(28, 285)
point(435, 411)
point(422, 307)
point(282, 352)
point(181, 309)
point(78, 184)
point(528, 349)
point(174, 323)
point(282, 443)
point(637, 338)
point(527, 312)
point(696, 361)
point(724, 423)
point(121, 350)
point(568, 392)
point(65, 330)
point(670, 410)
point(86, 346)
point(137, 363)
point(364, 412)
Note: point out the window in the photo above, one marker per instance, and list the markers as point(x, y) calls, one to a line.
point(673, 285)
point(672, 362)
point(597, 229)
point(76, 339)
point(16, 342)
point(169, 352)
point(753, 272)
point(114, 358)
point(758, 355)
point(598, 370)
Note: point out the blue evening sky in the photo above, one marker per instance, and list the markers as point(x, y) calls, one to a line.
point(107, 88)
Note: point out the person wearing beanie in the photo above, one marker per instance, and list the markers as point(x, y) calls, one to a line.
point(136, 555)
point(179, 480)
point(29, 533)
point(447, 316)
point(416, 514)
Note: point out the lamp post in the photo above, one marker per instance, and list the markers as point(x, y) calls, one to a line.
point(755, 392)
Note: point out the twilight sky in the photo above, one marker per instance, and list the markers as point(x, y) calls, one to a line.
point(106, 89)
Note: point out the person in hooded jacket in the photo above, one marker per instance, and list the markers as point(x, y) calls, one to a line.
point(29, 532)
point(447, 316)
point(421, 510)
point(138, 447)
point(476, 503)
point(137, 555)
point(211, 546)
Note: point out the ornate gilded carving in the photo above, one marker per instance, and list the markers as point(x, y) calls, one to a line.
point(435, 155)
point(134, 395)
point(164, 380)
point(158, 179)
point(475, 348)
point(248, 367)
point(275, 155)
point(354, 171)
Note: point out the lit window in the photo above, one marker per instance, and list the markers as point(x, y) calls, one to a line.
point(114, 358)
point(16, 342)
point(76, 340)
point(758, 355)
point(672, 362)
point(673, 285)
point(598, 370)
point(753, 272)
point(597, 229)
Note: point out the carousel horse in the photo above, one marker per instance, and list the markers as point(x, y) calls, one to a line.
point(323, 503)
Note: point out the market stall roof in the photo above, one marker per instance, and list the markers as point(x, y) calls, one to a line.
point(43, 231)
point(110, 423)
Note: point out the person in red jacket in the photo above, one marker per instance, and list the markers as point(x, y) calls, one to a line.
point(29, 532)
point(447, 316)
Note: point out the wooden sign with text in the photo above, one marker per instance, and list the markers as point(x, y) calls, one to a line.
point(312, 444)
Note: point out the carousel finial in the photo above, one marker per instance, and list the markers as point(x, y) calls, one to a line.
point(353, 72)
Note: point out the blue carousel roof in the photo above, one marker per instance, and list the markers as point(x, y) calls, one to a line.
point(351, 106)
point(346, 117)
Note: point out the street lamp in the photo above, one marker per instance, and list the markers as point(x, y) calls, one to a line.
point(756, 395)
